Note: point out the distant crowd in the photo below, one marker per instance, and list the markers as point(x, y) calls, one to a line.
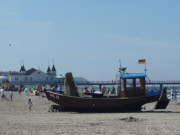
point(40, 91)
point(103, 90)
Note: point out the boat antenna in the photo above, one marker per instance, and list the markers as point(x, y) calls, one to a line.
point(120, 65)
point(123, 69)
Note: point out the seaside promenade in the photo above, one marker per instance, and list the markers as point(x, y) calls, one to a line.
point(16, 119)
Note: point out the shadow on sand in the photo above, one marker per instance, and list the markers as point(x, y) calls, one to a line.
point(159, 111)
point(57, 108)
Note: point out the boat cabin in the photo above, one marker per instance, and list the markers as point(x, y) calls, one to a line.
point(132, 85)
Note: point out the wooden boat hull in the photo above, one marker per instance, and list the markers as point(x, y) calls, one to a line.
point(103, 103)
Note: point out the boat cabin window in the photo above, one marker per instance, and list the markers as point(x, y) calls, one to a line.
point(132, 84)
point(132, 87)
point(122, 85)
point(129, 84)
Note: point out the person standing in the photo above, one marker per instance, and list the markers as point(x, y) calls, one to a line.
point(29, 104)
point(85, 90)
point(2, 93)
point(92, 90)
point(19, 90)
point(3, 96)
point(172, 94)
point(175, 96)
point(103, 89)
point(112, 91)
point(11, 95)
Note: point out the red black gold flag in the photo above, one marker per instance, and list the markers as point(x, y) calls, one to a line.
point(143, 61)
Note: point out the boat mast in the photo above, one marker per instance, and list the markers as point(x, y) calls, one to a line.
point(118, 79)
point(121, 71)
point(118, 72)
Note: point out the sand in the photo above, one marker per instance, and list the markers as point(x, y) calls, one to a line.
point(16, 119)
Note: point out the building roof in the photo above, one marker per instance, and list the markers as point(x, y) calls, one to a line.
point(48, 70)
point(22, 68)
point(53, 68)
point(30, 71)
point(133, 75)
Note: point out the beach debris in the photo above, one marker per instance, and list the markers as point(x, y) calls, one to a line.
point(70, 87)
point(131, 119)
point(95, 123)
point(55, 108)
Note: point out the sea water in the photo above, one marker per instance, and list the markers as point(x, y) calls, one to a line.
point(178, 95)
point(175, 87)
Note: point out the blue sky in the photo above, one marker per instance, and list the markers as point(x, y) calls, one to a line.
point(89, 37)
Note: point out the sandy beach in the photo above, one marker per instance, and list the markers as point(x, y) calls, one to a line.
point(16, 119)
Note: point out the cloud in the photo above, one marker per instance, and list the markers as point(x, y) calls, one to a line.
point(17, 22)
point(16, 15)
point(38, 27)
point(135, 41)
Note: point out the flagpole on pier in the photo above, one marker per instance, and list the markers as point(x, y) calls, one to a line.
point(145, 70)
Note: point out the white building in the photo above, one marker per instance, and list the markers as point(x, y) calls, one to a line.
point(33, 76)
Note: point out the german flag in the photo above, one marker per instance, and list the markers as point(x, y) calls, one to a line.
point(143, 61)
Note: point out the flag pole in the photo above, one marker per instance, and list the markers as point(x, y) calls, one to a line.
point(143, 61)
point(145, 67)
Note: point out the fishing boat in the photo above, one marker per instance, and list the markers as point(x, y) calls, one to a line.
point(130, 95)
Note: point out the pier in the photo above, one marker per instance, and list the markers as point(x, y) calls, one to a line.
point(106, 83)
point(160, 84)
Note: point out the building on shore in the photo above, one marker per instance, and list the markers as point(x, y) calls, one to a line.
point(33, 76)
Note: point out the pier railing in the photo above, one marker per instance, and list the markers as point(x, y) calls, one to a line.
point(114, 82)
point(100, 83)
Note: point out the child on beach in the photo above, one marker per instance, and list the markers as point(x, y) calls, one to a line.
point(29, 104)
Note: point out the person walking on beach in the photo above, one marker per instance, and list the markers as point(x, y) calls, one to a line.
point(3, 96)
point(112, 91)
point(29, 104)
point(11, 95)
point(175, 96)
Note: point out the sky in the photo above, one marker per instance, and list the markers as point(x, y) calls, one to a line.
point(90, 37)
